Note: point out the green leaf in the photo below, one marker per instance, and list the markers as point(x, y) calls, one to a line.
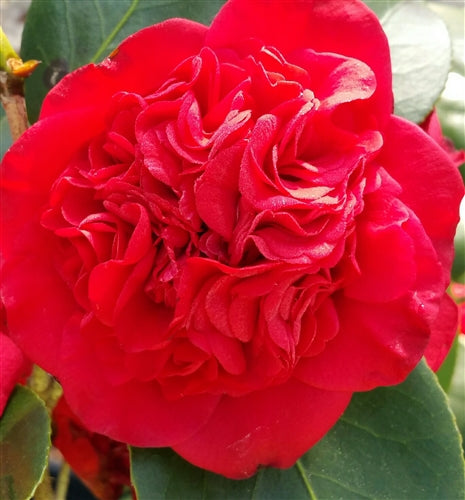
point(391, 443)
point(453, 14)
point(67, 34)
point(396, 442)
point(160, 474)
point(457, 389)
point(24, 444)
point(421, 58)
point(452, 116)
point(381, 7)
point(458, 267)
point(446, 372)
point(451, 105)
point(5, 135)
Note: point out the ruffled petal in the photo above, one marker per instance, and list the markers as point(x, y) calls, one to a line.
point(322, 26)
point(34, 293)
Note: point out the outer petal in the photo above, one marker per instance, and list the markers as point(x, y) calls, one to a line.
point(33, 163)
point(149, 419)
point(432, 186)
point(273, 427)
point(140, 64)
point(12, 367)
point(29, 280)
point(376, 346)
point(386, 260)
point(442, 334)
point(342, 27)
point(38, 306)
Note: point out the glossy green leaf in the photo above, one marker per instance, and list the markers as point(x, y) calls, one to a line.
point(446, 372)
point(397, 442)
point(391, 443)
point(24, 445)
point(453, 14)
point(421, 58)
point(5, 135)
point(66, 34)
point(451, 105)
point(381, 7)
point(458, 268)
point(457, 388)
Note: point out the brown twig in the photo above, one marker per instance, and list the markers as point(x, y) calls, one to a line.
point(13, 102)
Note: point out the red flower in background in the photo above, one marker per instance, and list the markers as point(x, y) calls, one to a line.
point(458, 293)
point(217, 235)
point(432, 127)
point(101, 463)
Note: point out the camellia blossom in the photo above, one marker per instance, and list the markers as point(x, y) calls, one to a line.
point(217, 235)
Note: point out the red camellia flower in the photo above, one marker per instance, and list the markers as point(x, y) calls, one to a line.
point(217, 235)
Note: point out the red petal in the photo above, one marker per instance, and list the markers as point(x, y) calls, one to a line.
point(273, 427)
point(443, 332)
point(12, 368)
point(386, 258)
point(324, 26)
point(134, 412)
point(431, 185)
point(38, 305)
point(32, 164)
point(216, 191)
point(140, 64)
point(376, 346)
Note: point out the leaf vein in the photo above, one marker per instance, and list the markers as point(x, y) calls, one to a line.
point(255, 486)
point(404, 443)
point(70, 32)
point(340, 484)
point(100, 17)
point(305, 480)
point(115, 31)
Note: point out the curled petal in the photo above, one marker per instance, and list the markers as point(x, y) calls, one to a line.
point(321, 26)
